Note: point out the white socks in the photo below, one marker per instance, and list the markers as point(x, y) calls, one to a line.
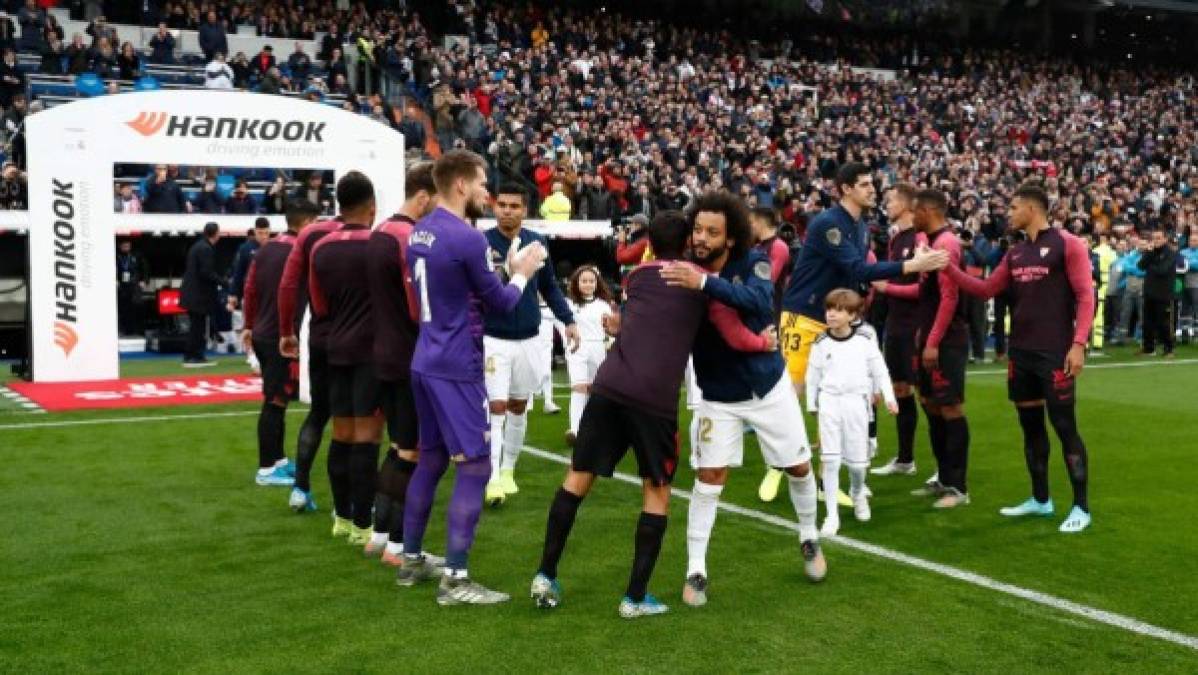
point(395, 547)
point(513, 439)
point(378, 538)
point(547, 388)
point(857, 479)
point(496, 444)
point(578, 401)
point(700, 520)
point(830, 470)
point(802, 496)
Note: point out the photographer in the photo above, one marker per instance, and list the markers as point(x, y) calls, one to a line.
point(13, 188)
point(631, 242)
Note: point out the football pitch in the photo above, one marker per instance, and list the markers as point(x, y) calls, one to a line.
point(135, 540)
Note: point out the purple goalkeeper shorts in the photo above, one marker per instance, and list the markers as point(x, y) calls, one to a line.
point(452, 415)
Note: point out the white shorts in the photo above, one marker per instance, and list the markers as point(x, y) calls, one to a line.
point(777, 419)
point(513, 368)
point(584, 363)
point(844, 427)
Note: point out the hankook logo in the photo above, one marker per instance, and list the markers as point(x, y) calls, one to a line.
point(65, 268)
point(229, 128)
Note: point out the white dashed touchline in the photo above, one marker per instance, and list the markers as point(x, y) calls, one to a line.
point(1101, 616)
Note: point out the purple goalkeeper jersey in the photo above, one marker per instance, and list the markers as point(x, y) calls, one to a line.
point(454, 286)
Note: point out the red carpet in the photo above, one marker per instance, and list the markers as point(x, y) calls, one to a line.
point(143, 392)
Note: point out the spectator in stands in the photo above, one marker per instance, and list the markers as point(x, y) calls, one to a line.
point(209, 200)
point(79, 59)
point(300, 65)
point(472, 126)
point(335, 67)
point(163, 194)
point(33, 20)
point(12, 80)
point(263, 61)
point(275, 202)
point(241, 71)
point(212, 38)
point(162, 46)
point(592, 202)
point(128, 62)
point(52, 58)
point(99, 29)
point(218, 74)
point(272, 82)
point(331, 41)
point(241, 202)
point(557, 205)
point(315, 191)
point(14, 191)
point(126, 200)
point(8, 33)
point(103, 58)
point(52, 30)
point(93, 10)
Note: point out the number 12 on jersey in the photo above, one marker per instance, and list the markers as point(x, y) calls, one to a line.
point(421, 276)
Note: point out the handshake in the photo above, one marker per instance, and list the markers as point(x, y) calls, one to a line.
point(525, 261)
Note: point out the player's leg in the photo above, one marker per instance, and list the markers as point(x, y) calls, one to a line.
point(545, 361)
point(578, 369)
point(797, 336)
point(655, 442)
point(364, 457)
point(1062, 415)
point(899, 349)
point(602, 441)
point(396, 473)
point(526, 377)
point(311, 431)
point(830, 443)
point(272, 461)
point(936, 432)
point(720, 445)
point(949, 392)
point(650, 531)
point(515, 430)
point(341, 449)
point(782, 435)
point(855, 454)
point(1027, 387)
point(430, 402)
point(498, 380)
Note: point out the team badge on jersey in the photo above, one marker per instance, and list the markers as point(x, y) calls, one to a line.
point(834, 236)
point(763, 270)
point(1044, 251)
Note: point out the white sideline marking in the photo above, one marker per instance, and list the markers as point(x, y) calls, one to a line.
point(1101, 616)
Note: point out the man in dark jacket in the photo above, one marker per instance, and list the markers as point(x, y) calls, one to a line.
point(32, 20)
point(132, 274)
point(1159, 262)
point(198, 296)
point(241, 202)
point(212, 38)
point(593, 201)
point(163, 194)
point(256, 239)
point(162, 46)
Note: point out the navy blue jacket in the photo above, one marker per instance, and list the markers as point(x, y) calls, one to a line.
point(833, 256)
point(241, 266)
point(525, 321)
point(724, 374)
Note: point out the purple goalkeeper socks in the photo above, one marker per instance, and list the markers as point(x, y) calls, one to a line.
point(470, 482)
point(421, 491)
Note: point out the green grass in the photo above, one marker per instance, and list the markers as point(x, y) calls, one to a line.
point(145, 547)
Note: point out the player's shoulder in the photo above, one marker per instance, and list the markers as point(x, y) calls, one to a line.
point(527, 236)
point(822, 340)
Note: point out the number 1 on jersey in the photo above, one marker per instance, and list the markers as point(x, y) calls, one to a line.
point(426, 313)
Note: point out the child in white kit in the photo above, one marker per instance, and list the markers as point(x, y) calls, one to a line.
point(591, 301)
point(844, 372)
